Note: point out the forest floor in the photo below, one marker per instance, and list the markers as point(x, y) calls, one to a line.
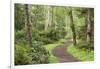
point(62, 54)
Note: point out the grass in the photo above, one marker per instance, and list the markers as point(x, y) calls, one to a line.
point(50, 47)
point(81, 54)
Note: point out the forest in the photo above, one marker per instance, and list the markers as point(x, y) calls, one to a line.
point(46, 34)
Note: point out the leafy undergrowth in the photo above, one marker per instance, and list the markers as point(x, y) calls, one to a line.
point(81, 54)
point(52, 58)
point(50, 47)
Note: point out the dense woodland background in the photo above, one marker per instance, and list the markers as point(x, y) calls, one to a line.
point(40, 28)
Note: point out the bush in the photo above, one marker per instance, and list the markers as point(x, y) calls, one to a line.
point(39, 53)
point(82, 44)
point(56, 34)
point(49, 36)
point(82, 38)
point(31, 55)
point(20, 36)
point(22, 56)
point(85, 44)
point(46, 37)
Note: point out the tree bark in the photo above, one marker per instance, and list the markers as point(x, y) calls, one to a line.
point(90, 26)
point(29, 25)
point(48, 17)
point(72, 26)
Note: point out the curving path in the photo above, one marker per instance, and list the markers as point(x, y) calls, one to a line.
point(61, 53)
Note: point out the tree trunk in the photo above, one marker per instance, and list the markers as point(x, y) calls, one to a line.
point(72, 26)
point(29, 25)
point(90, 26)
point(48, 20)
point(54, 22)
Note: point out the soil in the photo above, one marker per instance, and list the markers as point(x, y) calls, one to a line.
point(62, 54)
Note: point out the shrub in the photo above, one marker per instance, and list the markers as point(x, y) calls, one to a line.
point(48, 36)
point(85, 44)
point(20, 36)
point(82, 44)
point(31, 55)
point(39, 53)
point(22, 56)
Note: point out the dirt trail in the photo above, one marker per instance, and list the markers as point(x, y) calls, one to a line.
point(61, 53)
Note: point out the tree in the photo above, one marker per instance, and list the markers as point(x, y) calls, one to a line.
point(90, 26)
point(48, 17)
point(72, 26)
point(19, 17)
point(29, 26)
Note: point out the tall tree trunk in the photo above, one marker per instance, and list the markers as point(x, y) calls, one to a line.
point(54, 17)
point(48, 17)
point(90, 26)
point(86, 24)
point(72, 26)
point(29, 25)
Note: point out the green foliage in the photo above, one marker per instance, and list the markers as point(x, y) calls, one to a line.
point(56, 34)
point(19, 17)
point(39, 53)
point(81, 54)
point(31, 55)
point(20, 37)
point(82, 38)
point(50, 47)
point(82, 44)
point(47, 37)
point(22, 56)
point(44, 41)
